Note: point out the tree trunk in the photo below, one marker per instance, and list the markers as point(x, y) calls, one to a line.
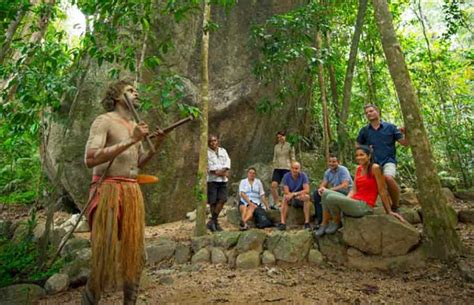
point(36, 36)
point(332, 80)
point(322, 89)
point(346, 95)
point(141, 59)
point(11, 33)
point(201, 193)
point(439, 222)
point(370, 64)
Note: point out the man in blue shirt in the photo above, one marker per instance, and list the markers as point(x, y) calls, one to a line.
point(336, 178)
point(381, 137)
point(296, 190)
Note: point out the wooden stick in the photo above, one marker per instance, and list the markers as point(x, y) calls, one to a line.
point(68, 235)
point(138, 120)
point(172, 126)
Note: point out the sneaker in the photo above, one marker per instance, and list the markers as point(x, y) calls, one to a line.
point(395, 209)
point(211, 225)
point(332, 228)
point(244, 227)
point(218, 227)
point(281, 226)
point(307, 226)
point(320, 231)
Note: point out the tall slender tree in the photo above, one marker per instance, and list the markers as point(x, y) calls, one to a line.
point(439, 221)
point(201, 193)
point(322, 89)
point(346, 94)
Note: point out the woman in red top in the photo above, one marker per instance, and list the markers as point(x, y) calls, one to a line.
point(369, 183)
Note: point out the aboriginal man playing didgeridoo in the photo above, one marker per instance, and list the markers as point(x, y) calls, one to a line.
point(116, 214)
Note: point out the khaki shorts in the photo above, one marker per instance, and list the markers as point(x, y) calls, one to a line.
point(389, 169)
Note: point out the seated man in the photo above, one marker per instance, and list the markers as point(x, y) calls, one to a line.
point(252, 195)
point(336, 178)
point(296, 190)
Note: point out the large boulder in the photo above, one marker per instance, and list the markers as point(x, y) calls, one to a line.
point(411, 215)
point(234, 95)
point(315, 257)
point(248, 260)
point(467, 195)
point(160, 250)
point(251, 240)
point(268, 258)
point(409, 262)
point(293, 247)
point(182, 254)
point(79, 269)
point(218, 256)
point(21, 294)
point(226, 239)
point(380, 235)
point(408, 197)
point(202, 256)
point(74, 245)
point(57, 283)
point(197, 243)
point(333, 247)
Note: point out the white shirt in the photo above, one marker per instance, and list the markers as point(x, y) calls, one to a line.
point(254, 191)
point(217, 161)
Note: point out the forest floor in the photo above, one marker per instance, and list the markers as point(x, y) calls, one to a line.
point(328, 284)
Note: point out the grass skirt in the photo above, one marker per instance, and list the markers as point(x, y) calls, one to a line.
point(117, 217)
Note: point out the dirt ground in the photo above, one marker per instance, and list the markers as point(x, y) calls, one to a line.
point(328, 284)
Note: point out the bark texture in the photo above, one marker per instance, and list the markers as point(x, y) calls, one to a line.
point(201, 199)
point(322, 90)
point(439, 222)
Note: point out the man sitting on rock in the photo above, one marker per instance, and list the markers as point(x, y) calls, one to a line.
point(252, 195)
point(296, 190)
point(336, 178)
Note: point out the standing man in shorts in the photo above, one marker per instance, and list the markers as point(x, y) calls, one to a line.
point(283, 155)
point(217, 176)
point(296, 189)
point(382, 136)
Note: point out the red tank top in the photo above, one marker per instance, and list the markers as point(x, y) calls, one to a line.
point(366, 188)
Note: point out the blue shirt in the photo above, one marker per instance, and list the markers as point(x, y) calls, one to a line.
point(382, 140)
point(337, 177)
point(295, 185)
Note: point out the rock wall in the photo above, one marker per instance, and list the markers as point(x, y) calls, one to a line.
point(234, 93)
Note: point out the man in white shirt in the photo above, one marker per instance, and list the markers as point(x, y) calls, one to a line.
point(217, 177)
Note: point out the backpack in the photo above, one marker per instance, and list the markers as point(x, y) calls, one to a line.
point(261, 218)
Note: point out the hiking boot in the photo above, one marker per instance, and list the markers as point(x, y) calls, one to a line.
point(211, 225)
point(332, 228)
point(307, 226)
point(281, 226)
point(395, 209)
point(320, 231)
point(218, 227)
